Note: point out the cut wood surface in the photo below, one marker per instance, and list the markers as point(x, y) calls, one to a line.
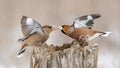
point(68, 56)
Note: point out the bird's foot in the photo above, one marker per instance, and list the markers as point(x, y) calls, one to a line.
point(82, 37)
point(83, 40)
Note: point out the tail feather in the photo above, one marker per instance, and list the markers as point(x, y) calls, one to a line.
point(22, 49)
point(105, 34)
point(20, 54)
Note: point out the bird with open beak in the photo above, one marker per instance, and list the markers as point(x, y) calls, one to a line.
point(34, 33)
point(85, 21)
point(83, 32)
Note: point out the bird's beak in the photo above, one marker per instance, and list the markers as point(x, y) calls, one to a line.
point(59, 27)
point(56, 28)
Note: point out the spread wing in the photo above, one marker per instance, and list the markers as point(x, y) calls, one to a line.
point(85, 21)
point(30, 26)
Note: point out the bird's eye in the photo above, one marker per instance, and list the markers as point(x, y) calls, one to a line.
point(63, 26)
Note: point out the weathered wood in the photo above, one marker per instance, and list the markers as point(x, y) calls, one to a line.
point(68, 56)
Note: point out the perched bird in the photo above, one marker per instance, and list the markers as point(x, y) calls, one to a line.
point(85, 21)
point(34, 33)
point(83, 32)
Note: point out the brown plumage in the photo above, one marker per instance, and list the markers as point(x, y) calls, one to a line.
point(76, 33)
point(34, 33)
point(82, 31)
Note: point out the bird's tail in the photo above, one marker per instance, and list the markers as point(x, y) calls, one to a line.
point(105, 34)
point(22, 49)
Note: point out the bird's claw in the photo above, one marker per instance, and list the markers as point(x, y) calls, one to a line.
point(82, 37)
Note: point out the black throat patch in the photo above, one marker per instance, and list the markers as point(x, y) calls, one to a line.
point(63, 31)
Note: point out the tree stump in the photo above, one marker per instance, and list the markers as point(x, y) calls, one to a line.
point(68, 56)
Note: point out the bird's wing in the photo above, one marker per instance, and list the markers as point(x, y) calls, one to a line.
point(30, 26)
point(85, 21)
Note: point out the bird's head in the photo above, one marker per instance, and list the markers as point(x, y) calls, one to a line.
point(48, 28)
point(64, 28)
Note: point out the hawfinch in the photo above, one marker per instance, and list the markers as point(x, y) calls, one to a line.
point(85, 21)
point(77, 33)
point(34, 33)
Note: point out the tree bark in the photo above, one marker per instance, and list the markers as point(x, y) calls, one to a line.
point(68, 56)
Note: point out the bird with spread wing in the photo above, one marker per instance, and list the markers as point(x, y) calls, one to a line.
point(82, 28)
point(33, 33)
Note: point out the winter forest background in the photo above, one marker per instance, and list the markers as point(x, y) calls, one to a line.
point(58, 12)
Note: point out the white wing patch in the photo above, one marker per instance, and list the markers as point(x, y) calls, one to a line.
point(29, 21)
point(79, 23)
point(89, 17)
point(82, 23)
point(35, 26)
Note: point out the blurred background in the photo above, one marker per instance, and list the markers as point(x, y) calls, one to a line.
point(58, 12)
